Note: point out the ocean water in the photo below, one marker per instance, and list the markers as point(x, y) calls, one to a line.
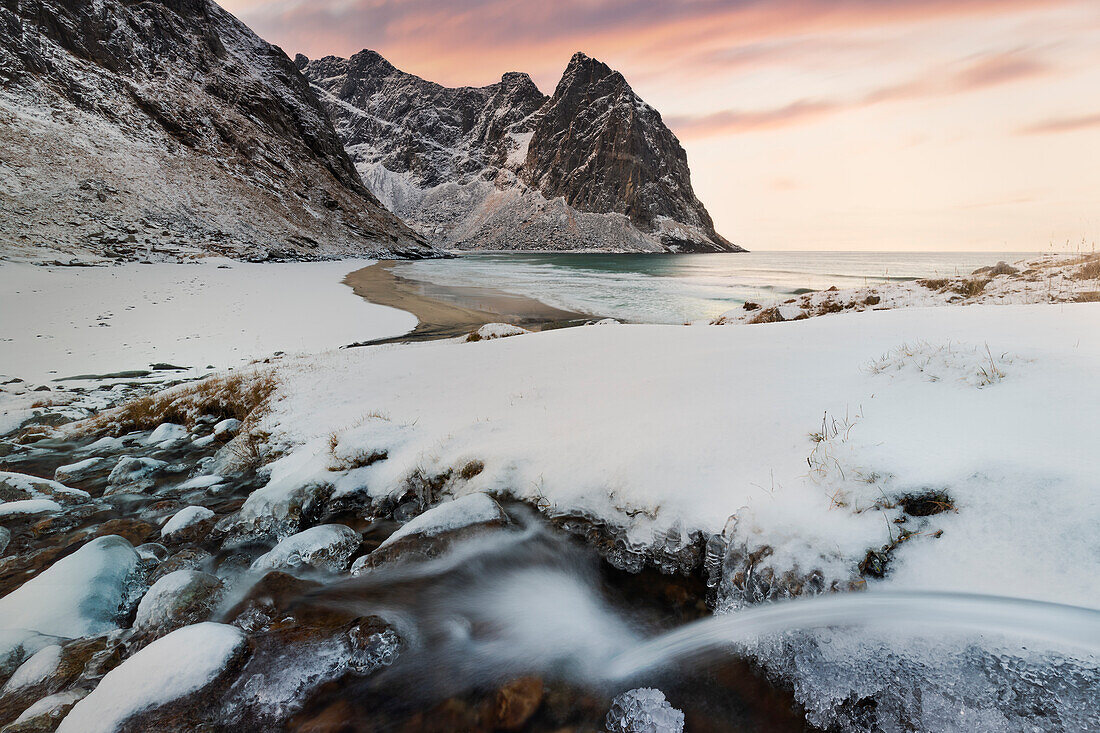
point(653, 288)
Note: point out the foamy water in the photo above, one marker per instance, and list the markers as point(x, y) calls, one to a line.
point(677, 288)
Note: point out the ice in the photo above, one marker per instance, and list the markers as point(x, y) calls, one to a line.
point(185, 518)
point(50, 705)
point(16, 645)
point(33, 487)
point(79, 595)
point(201, 482)
point(35, 670)
point(326, 546)
point(172, 667)
point(461, 512)
point(27, 507)
point(178, 592)
point(644, 710)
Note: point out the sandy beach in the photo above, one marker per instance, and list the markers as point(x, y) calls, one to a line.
point(449, 311)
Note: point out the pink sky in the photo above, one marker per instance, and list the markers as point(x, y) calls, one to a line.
point(809, 124)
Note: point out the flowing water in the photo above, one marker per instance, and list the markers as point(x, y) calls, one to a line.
point(526, 601)
point(655, 288)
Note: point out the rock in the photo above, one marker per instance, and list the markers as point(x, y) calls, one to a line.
point(1001, 268)
point(45, 715)
point(80, 470)
point(134, 531)
point(643, 710)
point(166, 434)
point(226, 429)
point(174, 668)
point(5, 538)
point(516, 702)
point(188, 524)
point(82, 594)
point(506, 167)
point(177, 599)
point(496, 331)
point(230, 125)
point(432, 532)
point(133, 475)
point(187, 558)
point(20, 487)
point(28, 507)
point(324, 547)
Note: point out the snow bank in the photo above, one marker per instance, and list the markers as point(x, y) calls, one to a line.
point(462, 512)
point(172, 667)
point(79, 595)
point(100, 320)
point(185, 518)
point(665, 431)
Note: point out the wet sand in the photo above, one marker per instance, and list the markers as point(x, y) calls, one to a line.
point(446, 311)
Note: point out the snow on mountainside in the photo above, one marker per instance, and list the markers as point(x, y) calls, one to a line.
point(504, 167)
point(147, 130)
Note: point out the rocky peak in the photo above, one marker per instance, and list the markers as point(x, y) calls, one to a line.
point(504, 166)
point(178, 127)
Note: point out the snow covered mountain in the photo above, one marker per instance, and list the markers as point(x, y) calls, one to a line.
point(504, 167)
point(158, 128)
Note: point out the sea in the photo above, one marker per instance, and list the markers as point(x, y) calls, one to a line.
point(679, 288)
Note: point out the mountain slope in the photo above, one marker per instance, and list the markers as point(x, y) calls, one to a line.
point(160, 128)
point(505, 167)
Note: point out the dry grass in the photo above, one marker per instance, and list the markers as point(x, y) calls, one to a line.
point(969, 288)
point(1090, 269)
point(241, 395)
point(1089, 296)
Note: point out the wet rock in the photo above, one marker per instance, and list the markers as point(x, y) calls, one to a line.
point(189, 558)
point(177, 599)
point(134, 531)
point(324, 547)
point(44, 715)
point(166, 434)
point(516, 702)
point(431, 533)
point(226, 429)
point(5, 538)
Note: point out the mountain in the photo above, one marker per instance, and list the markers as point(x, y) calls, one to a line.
point(166, 127)
point(504, 167)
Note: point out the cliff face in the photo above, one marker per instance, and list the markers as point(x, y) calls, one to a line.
point(165, 128)
point(504, 167)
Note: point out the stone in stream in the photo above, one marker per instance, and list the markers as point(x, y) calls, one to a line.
point(80, 470)
point(324, 547)
point(133, 475)
point(177, 599)
point(189, 524)
point(20, 487)
point(643, 710)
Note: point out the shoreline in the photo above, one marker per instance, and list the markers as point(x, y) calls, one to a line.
point(448, 311)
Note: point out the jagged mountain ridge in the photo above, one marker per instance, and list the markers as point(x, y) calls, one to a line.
point(159, 128)
point(505, 167)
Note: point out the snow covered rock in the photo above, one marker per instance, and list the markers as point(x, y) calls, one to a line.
point(496, 331)
point(431, 532)
point(186, 518)
point(35, 670)
point(643, 710)
point(227, 428)
point(81, 594)
point(178, 599)
point(173, 667)
point(133, 474)
point(28, 507)
point(5, 538)
point(80, 470)
point(46, 714)
point(166, 434)
point(18, 486)
point(17, 645)
point(324, 547)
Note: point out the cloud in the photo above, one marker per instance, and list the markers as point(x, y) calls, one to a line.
point(474, 41)
point(1062, 124)
point(988, 71)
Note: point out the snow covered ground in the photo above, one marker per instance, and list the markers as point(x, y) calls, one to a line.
point(60, 322)
point(813, 434)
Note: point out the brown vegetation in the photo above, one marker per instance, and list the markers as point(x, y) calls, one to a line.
point(240, 395)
